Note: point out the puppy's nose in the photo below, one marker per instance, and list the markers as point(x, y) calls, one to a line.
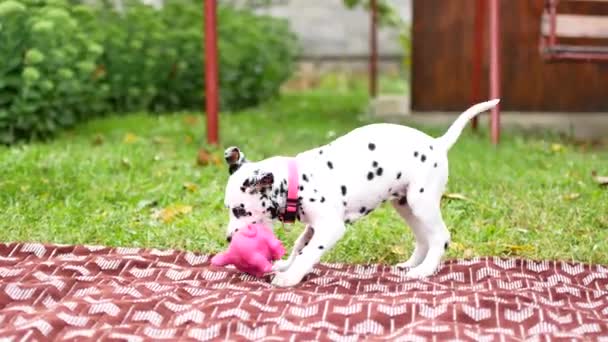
point(229, 238)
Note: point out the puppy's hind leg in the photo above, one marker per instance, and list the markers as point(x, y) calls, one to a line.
point(428, 212)
point(422, 245)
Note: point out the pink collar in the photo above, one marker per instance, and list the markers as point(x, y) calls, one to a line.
point(291, 208)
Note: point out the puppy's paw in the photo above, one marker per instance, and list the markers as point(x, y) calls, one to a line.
point(281, 265)
point(408, 264)
point(285, 279)
point(420, 272)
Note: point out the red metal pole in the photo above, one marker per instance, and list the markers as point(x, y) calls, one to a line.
point(373, 46)
point(495, 68)
point(477, 55)
point(211, 72)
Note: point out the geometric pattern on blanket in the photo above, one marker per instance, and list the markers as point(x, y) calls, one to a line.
point(59, 292)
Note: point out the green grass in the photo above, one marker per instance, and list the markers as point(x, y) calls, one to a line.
point(90, 186)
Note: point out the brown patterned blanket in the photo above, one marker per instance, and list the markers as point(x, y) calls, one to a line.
point(50, 292)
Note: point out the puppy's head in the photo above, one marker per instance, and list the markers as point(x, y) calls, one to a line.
point(248, 196)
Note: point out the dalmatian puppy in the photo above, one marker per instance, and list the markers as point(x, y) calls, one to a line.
point(344, 181)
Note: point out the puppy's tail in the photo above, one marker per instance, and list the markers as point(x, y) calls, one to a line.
point(450, 137)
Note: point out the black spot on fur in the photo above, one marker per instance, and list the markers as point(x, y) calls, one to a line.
point(312, 199)
point(315, 191)
point(370, 175)
point(300, 253)
point(375, 164)
point(274, 212)
point(320, 151)
point(371, 146)
point(423, 158)
point(362, 210)
point(301, 188)
point(421, 190)
point(435, 165)
point(304, 177)
point(306, 243)
point(446, 245)
point(242, 189)
point(431, 147)
point(321, 247)
point(415, 153)
point(344, 204)
point(395, 194)
point(379, 172)
point(343, 188)
point(299, 198)
point(239, 212)
point(322, 199)
point(330, 165)
point(403, 200)
point(347, 221)
point(242, 205)
point(263, 204)
point(276, 192)
point(399, 175)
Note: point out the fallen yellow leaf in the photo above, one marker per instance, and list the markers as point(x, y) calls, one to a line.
point(455, 196)
point(517, 249)
point(170, 213)
point(557, 147)
point(191, 119)
point(572, 196)
point(98, 140)
point(190, 186)
point(130, 138)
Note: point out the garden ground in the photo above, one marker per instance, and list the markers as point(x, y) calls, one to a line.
point(134, 181)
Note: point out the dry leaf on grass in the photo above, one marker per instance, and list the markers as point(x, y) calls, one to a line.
point(98, 140)
point(205, 158)
point(130, 138)
point(171, 212)
point(518, 249)
point(191, 120)
point(455, 196)
point(557, 147)
point(190, 186)
point(572, 196)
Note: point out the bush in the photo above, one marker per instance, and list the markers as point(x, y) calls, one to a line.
point(62, 63)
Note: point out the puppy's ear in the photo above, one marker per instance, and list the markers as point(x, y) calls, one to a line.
point(234, 158)
point(259, 181)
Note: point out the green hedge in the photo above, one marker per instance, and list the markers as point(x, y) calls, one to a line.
point(61, 63)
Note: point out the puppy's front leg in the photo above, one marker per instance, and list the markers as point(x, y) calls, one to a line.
point(326, 234)
point(301, 242)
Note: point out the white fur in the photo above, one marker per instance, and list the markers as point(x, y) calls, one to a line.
point(355, 164)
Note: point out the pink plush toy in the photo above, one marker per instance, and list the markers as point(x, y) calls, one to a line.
point(251, 250)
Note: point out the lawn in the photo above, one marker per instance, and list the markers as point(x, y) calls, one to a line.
point(134, 181)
